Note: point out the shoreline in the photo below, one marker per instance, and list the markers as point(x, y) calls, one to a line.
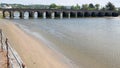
point(47, 43)
point(33, 52)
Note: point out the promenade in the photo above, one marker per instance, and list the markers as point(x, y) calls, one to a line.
point(3, 59)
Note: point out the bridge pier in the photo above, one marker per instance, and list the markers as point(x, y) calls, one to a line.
point(22, 14)
point(69, 15)
point(3, 13)
point(76, 15)
point(53, 15)
point(83, 14)
point(44, 15)
point(61, 15)
point(11, 14)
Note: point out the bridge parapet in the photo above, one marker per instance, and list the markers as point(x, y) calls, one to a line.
point(66, 12)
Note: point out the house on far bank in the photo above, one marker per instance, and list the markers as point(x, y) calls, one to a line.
point(6, 6)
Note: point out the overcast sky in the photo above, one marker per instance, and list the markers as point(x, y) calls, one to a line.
point(62, 2)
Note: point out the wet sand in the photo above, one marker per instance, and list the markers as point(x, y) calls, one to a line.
point(34, 53)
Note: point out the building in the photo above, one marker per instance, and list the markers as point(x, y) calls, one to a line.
point(6, 6)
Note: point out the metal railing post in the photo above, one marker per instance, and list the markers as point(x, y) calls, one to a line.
point(23, 65)
point(1, 40)
point(6, 42)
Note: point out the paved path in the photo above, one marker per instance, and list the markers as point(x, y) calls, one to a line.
point(3, 60)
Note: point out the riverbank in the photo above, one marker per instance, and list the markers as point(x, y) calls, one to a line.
point(3, 59)
point(33, 52)
point(0, 14)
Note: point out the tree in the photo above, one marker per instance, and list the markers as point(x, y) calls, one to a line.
point(97, 6)
point(61, 7)
point(110, 6)
point(103, 9)
point(91, 7)
point(84, 7)
point(119, 11)
point(77, 7)
point(72, 7)
point(53, 6)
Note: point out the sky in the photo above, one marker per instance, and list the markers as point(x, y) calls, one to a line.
point(62, 2)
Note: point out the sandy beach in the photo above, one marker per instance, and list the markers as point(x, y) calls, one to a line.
point(34, 53)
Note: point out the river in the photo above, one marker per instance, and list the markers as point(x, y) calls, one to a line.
point(87, 42)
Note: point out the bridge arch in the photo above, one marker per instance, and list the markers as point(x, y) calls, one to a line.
point(80, 14)
point(65, 14)
point(6, 14)
point(101, 14)
point(40, 14)
point(16, 14)
point(108, 14)
point(87, 14)
point(35, 14)
point(26, 14)
point(93, 14)
point(72, 14)
point(31, 14)
point(115, 14)
point(57, 14)
point(48, 14)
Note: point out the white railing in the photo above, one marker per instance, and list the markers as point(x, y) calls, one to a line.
point(13, 59)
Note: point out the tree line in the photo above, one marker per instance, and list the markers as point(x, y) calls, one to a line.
point(108, 6)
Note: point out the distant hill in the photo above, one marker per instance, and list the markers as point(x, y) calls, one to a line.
point(35, 6)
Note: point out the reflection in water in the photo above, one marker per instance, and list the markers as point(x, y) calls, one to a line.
point(7, 14)
point(35, 15)
point(26, 15)
point(89, 42)
point(16, 15)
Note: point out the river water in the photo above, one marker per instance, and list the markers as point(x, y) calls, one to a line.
point(88, 42)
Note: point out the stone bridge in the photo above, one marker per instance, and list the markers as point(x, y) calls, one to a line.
point(59, 13)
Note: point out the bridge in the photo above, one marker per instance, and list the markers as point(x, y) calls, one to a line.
point(58, 13)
